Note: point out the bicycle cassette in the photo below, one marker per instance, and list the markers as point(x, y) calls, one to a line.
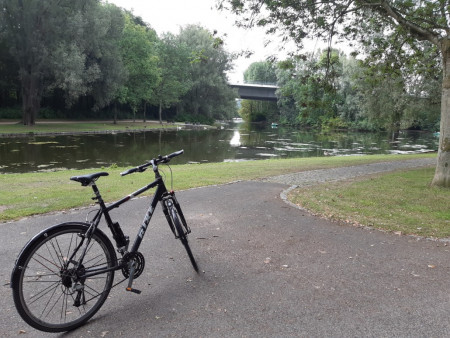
point(135, 258)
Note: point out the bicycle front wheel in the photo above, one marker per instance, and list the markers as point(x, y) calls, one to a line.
point(50, 289)
point(181, 233)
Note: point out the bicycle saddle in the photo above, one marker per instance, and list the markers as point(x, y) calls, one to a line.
point(88, 179)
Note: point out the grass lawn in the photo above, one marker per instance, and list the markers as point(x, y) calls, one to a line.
point(400, 202)
point(46, 126)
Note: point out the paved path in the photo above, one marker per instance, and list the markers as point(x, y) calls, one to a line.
point(268, 270)
point(337, 174)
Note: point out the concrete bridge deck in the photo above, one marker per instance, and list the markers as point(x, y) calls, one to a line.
point(263, 92)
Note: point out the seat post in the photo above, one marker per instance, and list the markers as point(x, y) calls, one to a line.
point(98, 196)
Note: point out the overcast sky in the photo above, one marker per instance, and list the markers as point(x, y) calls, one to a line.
point(170, 15)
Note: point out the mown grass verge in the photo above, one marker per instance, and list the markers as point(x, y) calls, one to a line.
point(401, 202)
point(48, 127)
point(28, 194)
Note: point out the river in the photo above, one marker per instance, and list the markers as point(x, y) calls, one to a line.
point(232, 142)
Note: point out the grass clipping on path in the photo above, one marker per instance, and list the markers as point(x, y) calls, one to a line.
point(401, 202)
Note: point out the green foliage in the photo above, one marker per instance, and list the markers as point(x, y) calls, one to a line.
point(69, 59)
point(174, 65)
point(403, 35)
point(138, 48)
point(209, 94)
point(342, 92)
point(259, 111)
point(310, 90)
point(260, 72)
point(14, 112)
point(106, 59)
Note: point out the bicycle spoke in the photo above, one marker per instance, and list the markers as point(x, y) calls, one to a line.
point(58, 252)
point(38, 275)
point(45, 291)
point(70, 245)
point(56, 302)
point(99, 257)
point(45, 259)
point(42, 281)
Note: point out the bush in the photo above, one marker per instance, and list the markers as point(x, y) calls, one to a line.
point(11, 113)
point(49, 113)
point(333, 123)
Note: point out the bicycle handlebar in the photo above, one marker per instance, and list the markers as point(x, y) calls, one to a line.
point(154, 162)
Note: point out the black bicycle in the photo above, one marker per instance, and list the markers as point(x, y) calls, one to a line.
point(64, 274)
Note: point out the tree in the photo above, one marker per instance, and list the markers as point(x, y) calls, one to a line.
point(209, 96)
point(253, 110)
point(62, 44)
point(260, 72)
point(101, 42)
point(174, 65)
point(138, 47)
point(309, 90)
point(9, 85)
point(410, 22)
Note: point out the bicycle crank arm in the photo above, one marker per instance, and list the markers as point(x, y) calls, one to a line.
point(130, 280)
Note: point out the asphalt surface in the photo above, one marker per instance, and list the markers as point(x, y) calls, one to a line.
point(267, 270)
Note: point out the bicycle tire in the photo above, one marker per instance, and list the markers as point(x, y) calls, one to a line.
point(181, 234)
point(44, 287)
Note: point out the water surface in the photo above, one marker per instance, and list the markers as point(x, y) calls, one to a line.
point(234, 142)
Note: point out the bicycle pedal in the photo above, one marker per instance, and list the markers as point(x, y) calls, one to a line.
point(134, 290)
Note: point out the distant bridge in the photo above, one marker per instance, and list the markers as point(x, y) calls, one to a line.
point(262, 92)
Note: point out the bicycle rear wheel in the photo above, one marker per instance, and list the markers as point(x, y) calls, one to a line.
point(49, 290)
point(181, 231)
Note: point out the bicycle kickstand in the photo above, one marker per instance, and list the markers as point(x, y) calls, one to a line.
point(130, 280)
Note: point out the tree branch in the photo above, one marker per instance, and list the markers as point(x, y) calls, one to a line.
point(414, 28)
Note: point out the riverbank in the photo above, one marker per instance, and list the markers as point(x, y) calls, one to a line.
point(10, 128)
point(23, 195)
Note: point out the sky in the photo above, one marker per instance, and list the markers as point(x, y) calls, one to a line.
point(171, 15)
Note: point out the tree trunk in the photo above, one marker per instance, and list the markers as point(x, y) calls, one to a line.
point(145, 111)
point(115, 112)
point(31, 98)
point(160, 112)
point(442, 174)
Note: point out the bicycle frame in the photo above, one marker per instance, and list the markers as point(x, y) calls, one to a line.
point(121, 239)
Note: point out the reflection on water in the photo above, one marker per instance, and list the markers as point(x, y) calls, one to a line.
point(235, 142)
point(236, 139)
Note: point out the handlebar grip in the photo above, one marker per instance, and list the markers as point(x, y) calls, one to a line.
point(129, 171)
point(177, 153)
